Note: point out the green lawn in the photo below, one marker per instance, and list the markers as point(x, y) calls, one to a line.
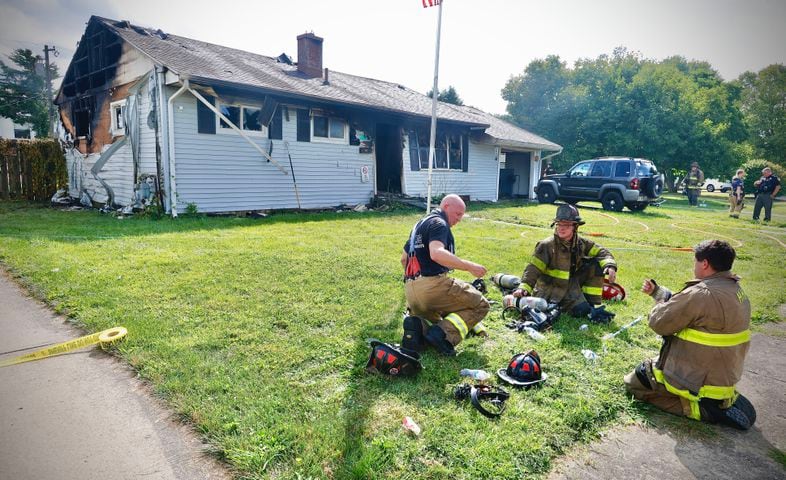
point(255, 329)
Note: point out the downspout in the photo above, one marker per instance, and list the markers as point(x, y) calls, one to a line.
point(497, 155)
point(552, 155)
point(534, 181)
point(171, 145)
point(163, 164)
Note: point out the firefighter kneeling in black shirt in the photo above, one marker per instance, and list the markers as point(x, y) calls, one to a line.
point(443, 310)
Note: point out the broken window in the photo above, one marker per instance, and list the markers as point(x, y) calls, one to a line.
point(81, 116)
point(245, 117)
point(449, 149)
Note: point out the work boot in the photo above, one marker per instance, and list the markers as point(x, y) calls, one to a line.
point(413, 334)
point(437, 338)
point(740, 415)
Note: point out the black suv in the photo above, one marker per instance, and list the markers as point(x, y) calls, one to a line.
point(615, 182)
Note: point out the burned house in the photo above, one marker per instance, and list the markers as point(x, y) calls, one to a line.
point(151, 116)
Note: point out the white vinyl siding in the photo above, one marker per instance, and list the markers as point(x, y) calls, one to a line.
point(222, 173)
point(479, 182)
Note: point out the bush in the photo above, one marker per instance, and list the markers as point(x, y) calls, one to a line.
point(753, 170)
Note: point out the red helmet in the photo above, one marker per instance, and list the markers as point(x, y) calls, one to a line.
point(613, 291)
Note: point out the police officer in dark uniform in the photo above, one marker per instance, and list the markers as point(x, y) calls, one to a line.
point(443, 310)
point(767, 188)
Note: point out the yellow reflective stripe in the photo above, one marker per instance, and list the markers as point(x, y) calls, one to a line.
point(539, 264)
point(714, 339)
point(479, 327)
point(553, 272)
point(594, 251)
point(592, 290)
point(606, 261)
point(459, 323)
point(527, 287)
point(707, 391)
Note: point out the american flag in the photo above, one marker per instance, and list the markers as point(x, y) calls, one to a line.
point(430, 3)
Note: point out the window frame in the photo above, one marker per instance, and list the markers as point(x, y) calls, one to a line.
point(115, 129)
point(334, 140)
point(445, 136)
point(589, 164)
point(221, 130)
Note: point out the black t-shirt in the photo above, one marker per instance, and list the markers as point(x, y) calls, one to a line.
point(768, 184)
point(430, 228)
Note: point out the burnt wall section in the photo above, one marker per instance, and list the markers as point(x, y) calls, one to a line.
point(103, 68)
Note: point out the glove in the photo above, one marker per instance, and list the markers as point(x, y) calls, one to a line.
point(600, 315)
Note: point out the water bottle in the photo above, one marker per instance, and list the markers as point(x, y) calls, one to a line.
point(479, 375)
point(532, 302)
point(534, 334)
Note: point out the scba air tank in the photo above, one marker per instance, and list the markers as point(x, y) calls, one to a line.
point(508, 282)
point(519, 303)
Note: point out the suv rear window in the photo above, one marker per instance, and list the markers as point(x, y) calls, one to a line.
point(601, 169)
point(646, 169)
point(622, 169)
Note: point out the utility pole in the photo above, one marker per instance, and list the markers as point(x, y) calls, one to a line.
point(49, 100)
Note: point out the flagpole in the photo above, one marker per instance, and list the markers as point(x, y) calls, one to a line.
point(434, 95)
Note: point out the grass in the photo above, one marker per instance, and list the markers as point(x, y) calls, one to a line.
point(255, 330)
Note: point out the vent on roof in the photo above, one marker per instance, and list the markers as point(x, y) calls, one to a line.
point(161, 34)
point(123, 24)
point(139, 30)
point(401, 87)
point(284, 58)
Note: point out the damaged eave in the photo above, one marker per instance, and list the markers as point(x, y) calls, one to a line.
point(515, 145)
point(204, 81)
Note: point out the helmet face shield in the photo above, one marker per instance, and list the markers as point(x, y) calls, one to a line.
point(393, 360)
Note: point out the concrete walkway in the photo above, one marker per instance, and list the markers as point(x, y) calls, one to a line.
point(83, 415)
point(666, 449)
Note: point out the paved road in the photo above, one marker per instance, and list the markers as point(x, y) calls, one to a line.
point(666, 449)
point(83, 415)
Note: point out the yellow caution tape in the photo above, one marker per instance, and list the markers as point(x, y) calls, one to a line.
point(103, 337)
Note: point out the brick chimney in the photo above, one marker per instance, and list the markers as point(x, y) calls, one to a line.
point(309, 55)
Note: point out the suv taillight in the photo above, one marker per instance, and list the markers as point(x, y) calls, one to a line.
point(634, 184)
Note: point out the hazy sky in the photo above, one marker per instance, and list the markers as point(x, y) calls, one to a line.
point(484, 42)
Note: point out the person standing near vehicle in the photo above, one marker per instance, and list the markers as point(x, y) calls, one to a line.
point(706, 336)
point(767, 188)
point(568, 269)
point(693, 182)
point(737, 194)
point(451, 307)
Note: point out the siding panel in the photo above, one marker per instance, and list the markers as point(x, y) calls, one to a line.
point(222, 172)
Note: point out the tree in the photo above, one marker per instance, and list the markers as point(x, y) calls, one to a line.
point(763, 103)
point(448, 95)
point(23, 93)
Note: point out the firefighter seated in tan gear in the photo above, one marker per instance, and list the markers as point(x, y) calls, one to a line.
point(705, 329)
point(568, 269)
point(443, 310)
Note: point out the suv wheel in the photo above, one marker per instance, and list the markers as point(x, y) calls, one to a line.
point(710, 188)
point(546, 194)
point(612, 201)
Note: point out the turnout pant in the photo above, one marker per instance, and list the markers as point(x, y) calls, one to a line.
point(763, 200)
point(735, 206)
point(454, 305)
point(693, 196)
point(654, 392)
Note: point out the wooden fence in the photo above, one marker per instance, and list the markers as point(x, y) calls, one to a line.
point(31, 169)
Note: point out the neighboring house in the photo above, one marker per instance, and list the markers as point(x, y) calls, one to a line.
point(228, 130)
point(10, 129)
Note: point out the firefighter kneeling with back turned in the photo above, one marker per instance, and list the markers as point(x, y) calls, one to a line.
point(705, 329)
point(452, 308)
point(568, 269)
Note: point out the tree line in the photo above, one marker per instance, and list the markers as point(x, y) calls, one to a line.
point(673, 112)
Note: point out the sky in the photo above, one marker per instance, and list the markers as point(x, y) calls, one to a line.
point(483, 42)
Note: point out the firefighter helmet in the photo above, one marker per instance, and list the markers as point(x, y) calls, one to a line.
point(523, 370)
point(567, 213)
point(613, 291)
point(391, 359)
